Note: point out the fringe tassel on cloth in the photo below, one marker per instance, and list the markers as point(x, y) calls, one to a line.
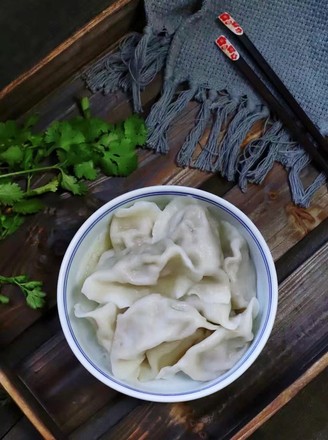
point(131, 69)
point(250, 164)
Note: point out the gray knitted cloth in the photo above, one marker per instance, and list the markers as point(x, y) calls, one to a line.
point(180, 36)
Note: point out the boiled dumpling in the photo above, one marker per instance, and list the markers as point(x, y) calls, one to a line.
point(218, 313)
point(176, 292)
point(218, 352)
point(133, 226)
point(238, 265)
point(104, 320)
point(163, 223)
point(189, 226)
point(212, 298)
point(213, 289)
point(149, 322)
point(124, 276)
point(168, 353)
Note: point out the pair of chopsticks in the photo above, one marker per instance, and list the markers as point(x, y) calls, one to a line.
point(295, 119)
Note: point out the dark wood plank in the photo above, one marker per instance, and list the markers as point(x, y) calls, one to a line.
point(298, 336)
point(28, 404)
point(305, 417)
point(9, 416)
point(82, 47)
point(282, 399)
point(101, 422)
point(13, 423)
point(160, 421)
point(68, 391)
point(290, 223)
point(302, 250)
point(52, 23)
point(23, 430)
point(32, 338)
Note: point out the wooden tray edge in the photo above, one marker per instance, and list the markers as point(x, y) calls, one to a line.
point(68, 58)
point(282, 399)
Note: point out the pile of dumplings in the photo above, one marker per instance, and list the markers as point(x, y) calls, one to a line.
point(176, 293)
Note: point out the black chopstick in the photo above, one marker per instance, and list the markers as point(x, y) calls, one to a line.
point(284, 115)
point(266, 69)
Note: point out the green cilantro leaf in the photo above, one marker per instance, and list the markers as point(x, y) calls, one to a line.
point(4, 299)
point(31, 121)
point(28, 206)
point(108, 167)
point(35, 298)
point(32, 290)
point(10, 193)
point(75, 154)
point(93, 128)
point(113, 164)
point(12, 156)
point(135, 130)
point(36, 140)
point(107, 138)
point(9, 224)
point(51, 186)
point(17, 279)
point(71, 184)
point(11, 135)
point(63, 135)
point(8, 130)
point(124, 146)
point(27, 159)
point(127, 164)
point(86, 170)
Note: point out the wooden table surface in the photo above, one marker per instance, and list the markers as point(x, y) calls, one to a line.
point(55, 393)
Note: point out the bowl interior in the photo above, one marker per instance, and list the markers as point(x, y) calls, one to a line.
point(82, 257)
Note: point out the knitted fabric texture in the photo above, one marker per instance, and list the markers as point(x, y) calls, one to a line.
point(180, 37)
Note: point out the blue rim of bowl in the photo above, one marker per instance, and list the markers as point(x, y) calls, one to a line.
point(254, 343)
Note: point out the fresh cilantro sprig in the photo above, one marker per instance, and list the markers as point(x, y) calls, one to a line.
point(9, 224)
point(32, 290)
point(70, 151)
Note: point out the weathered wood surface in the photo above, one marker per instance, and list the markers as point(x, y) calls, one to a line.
point(22, 430)
point(28, 404)
point(34, 345)
point(281, 222)
point(304, 417)
point(85, 45)
point(282, 399)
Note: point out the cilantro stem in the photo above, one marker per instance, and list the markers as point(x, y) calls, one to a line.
point(31, 289)
point(33, 170)
point(7, 279)
point(28, 185)
point(85, 106)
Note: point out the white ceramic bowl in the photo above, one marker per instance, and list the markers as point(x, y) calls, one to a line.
point(83, 252)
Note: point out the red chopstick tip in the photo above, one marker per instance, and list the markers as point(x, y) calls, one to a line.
point(224, 16)
point(230, 23)
point(227, 48)
point(221, 41)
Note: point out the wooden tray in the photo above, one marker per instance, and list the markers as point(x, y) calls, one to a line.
point(55, 393)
